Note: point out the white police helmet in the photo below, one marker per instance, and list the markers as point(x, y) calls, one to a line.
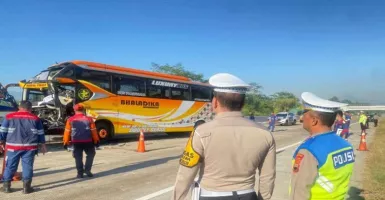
point(313, 102)
point(228, 83)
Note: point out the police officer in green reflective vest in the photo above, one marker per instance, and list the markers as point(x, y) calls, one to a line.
point(323, 164)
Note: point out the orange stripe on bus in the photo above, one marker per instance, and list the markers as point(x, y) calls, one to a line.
point(130, 70)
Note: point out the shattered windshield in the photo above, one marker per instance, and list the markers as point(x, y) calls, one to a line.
point(41, 77)
point(46, 74)
point(53, 72)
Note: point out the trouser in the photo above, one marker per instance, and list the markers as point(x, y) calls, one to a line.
point(363, 128)
point(89, 149)
point(344, 135)
point(375, 122)
point(347, 134)
point(271, 127)
point(248, 196)
point(12, 160)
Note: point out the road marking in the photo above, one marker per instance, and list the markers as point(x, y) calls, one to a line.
point(155, 194)
point(169, 189)
point(286, 147)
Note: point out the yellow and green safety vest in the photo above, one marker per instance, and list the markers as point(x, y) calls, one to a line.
point(362, 119)
point(335, 158)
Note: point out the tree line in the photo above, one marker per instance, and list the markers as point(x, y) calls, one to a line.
point(256, 102)
point(353, 103)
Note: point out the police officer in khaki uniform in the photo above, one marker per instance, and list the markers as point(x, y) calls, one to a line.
point(323, 163)
point(227, 151)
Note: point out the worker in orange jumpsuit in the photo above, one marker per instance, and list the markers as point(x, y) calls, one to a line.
point(81, 131)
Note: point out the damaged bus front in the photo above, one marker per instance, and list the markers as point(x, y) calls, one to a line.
point(52, 98)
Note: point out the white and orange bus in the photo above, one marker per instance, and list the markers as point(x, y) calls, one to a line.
point(120, 100)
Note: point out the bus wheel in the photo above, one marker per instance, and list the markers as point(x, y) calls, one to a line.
point(104, 130)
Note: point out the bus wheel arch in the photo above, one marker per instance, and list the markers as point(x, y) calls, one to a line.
point(199, 122)
point(105, 129)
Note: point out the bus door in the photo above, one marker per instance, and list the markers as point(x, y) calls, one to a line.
point(131, 92)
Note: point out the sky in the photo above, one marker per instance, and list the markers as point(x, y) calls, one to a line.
point(327, 47)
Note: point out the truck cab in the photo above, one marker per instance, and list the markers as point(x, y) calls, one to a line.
point(7, 102)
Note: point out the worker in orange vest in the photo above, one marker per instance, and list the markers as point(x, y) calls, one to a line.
point(81, 131)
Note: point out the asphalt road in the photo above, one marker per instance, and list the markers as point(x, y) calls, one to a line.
point(58, 138)
point(120, 172)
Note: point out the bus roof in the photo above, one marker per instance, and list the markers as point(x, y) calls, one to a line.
point(129, 70)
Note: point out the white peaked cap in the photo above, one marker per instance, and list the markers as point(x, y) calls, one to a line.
point(228, 83)
point(313, 102)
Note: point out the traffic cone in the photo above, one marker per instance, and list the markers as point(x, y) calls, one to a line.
point(362, 146)
point(141, 147)
point(16, 176)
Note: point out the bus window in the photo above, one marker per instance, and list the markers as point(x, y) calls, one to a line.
point(130, 86)
point(180, 94)
point(101, 79)
point(53, 72)
point(200, 93)
point(157, 91)
point(41, 77)
point(68, 72)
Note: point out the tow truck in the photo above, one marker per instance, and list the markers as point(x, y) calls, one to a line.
point(7, 104)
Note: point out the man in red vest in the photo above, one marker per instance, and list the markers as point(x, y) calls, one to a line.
point(22, 132)
point(81, 131)
point(341, 127)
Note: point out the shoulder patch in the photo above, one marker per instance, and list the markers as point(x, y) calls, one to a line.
point(190, 157)
point(297, 162)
